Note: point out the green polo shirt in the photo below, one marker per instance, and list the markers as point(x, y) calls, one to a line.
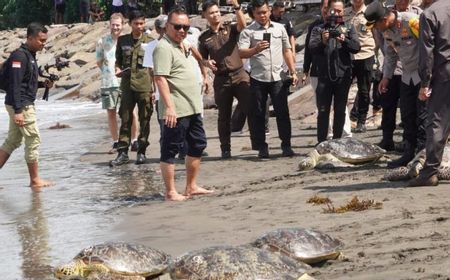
point(178, 68)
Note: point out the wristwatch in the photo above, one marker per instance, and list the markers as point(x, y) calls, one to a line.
point(237, 8)
point(293, 73)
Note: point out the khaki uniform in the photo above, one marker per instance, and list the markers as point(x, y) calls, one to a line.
point(136, 88)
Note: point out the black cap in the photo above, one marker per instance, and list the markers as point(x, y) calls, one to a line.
point(374, 12)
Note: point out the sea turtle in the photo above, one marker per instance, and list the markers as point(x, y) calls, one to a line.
point(340, 151)
point(115, 261)
point(236, 263)
point(412, 169)
point(305, 245)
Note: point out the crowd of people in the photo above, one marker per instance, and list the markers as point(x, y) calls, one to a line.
point(170, 72)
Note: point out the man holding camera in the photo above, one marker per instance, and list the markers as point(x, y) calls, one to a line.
point(266, 44)
point(20, 80)
point(332, 43)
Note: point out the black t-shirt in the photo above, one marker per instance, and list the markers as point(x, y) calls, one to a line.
point(287, 25)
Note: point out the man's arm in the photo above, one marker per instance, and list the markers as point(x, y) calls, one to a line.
point(245, 48)
point(203, 69)
point(240, 17)
point(351, 41)
point(316, 44)
point(426, 46)
point(99, 53)
point(118, 56)
point(288, 56)
point(170, 118)
point(17, 67)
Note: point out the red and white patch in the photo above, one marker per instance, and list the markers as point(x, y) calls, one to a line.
point(16, 64)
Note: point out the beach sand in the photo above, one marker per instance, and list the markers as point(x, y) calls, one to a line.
point(407, 239)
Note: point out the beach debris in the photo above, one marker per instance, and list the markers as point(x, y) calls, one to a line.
point(316, 200)
point(235, 263)
point(354, 205)
point(341, 152)
point(114, 260)
point(59, 126)
point(304, 245)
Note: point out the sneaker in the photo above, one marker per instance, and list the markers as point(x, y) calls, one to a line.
point(263, 153)
point(424, 182)
point(267, 132)
point(134, 146)
point(114, 147)
point(121, 159)
point(140, 158)
point(287, 152)
point(226, 154)
point(360, 128)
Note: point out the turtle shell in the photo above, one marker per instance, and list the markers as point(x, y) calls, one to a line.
point(126, 259)
point(308, 246)
point(235, 263)
point(351, 150)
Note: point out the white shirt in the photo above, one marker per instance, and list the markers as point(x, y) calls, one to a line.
point(117, 3)
point(148, 60)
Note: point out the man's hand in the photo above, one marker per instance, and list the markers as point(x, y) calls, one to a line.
point(383, 86)
point(341, 38)
point(294, 79)
point(170, 118)
point(424, 93)
point(304, 77)
point(49, 83)
point(211, 64)
point(325, 37)
point(261, 45)
point(205, 86)
point(18, 119)
point(153, 98)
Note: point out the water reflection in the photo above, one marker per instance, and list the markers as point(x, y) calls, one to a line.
point(32, 229)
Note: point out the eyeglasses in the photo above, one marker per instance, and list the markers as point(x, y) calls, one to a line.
point(179, 26)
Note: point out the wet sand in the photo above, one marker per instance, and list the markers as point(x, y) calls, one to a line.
point(407, 239)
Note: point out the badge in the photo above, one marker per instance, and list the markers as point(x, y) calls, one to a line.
point(404, 32)
point(16, 64)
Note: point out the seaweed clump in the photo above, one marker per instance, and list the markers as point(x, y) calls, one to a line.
point(316, 200)
point(354, 205)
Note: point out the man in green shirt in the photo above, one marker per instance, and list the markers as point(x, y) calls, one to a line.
point(136, 87)
point(180, 104)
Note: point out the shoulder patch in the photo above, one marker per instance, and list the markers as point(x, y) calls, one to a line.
point(16, 64)
point(414, 25)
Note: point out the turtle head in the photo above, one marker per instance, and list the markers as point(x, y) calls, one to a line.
point(73, 270)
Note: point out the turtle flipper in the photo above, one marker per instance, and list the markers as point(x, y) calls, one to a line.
point(310, 161)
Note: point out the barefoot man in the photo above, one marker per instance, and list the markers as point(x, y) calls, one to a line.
point(180, 104)
point(20, 80)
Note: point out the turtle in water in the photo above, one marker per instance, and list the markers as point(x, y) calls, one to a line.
point(236, 263)
point(115, 261)
point(341, 152)
point(305, 245)
point(412, 169)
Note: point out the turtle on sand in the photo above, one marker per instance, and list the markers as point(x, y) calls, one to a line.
point(305, 245)
point(412, 169)
point(236, 263)
point(115, 261)
point(341, 152)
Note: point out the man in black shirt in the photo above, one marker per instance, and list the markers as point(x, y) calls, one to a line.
point(277, 15)
point(21, 84)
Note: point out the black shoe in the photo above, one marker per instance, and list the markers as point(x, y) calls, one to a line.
point(226, 154)
point(134, 146)
point(402, 161)
point(360, 128)
point(140, 158)
point(424, 182)
point(287, 152)
point(114, 148)
point(121, 159)
point(263, 152)
point(387, 145)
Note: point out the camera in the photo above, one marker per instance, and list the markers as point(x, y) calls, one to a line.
point(59, 65)
point(332, 23)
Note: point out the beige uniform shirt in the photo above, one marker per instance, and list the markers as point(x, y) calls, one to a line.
point(365, 35)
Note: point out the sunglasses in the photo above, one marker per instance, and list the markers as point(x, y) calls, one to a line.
point(179, 26)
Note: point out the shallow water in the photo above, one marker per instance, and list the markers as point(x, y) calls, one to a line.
point(39, 230)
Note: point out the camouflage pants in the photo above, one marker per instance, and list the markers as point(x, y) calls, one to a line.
point(29, 133)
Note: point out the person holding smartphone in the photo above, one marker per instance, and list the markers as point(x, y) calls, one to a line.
point(266, 44)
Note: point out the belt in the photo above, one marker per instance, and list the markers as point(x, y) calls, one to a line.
point(230, 73)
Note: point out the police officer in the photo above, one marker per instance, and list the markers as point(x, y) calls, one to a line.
point(401, 43)
point(20, 80)
point(218, 47)
point(277, 15)
point(434, 69)
point(332, 44)
point(136, 87)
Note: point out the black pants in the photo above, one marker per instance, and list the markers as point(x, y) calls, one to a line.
point(414, 115)
point(326, 92)
point(438, 127)
point(225, 89)
point(362, 70)
point(389, 103)
point(278, 92)
point(238, 117)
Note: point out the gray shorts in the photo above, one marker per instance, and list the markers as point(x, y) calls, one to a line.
point(110, 97)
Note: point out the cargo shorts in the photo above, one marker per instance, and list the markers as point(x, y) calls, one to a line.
point(110, 97)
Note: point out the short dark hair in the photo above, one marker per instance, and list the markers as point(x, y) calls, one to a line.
point(279, 4)
point(179, 10)
point(35, 28)
point(259, 3)
point(208, 4)
point(135, 14)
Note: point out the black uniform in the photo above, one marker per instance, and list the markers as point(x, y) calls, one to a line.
point(434, 70)
point(334, 65)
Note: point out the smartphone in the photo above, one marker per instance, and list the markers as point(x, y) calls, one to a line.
point(120, 74)
point(266, 37)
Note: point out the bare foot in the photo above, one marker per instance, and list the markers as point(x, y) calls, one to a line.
point(40, 183)
point(175, 197)
point(198, 191)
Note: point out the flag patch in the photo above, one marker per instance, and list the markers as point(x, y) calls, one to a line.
point(16, 64)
